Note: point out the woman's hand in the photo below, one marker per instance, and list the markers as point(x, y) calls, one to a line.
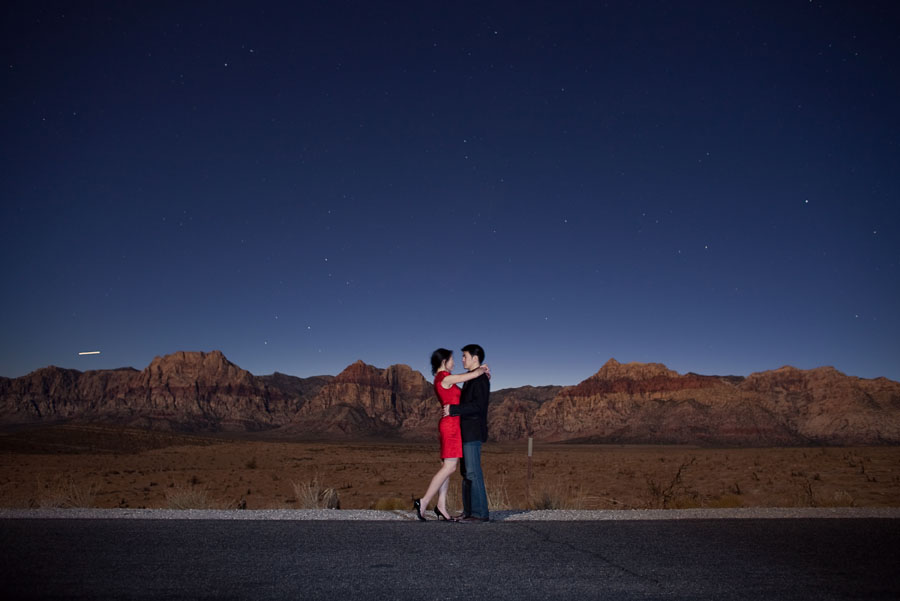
point(485, 369)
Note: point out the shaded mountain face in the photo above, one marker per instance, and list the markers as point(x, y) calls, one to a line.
point(824, 405)
point(55, 394)
point(366, 401)
point(511, 411)
point(292, 385)
point(621, 403)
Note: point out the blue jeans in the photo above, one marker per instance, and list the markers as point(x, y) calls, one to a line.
point(473, 493)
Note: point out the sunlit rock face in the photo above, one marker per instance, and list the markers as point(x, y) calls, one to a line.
point(648, 403)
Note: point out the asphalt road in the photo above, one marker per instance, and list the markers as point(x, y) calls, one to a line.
point(226, 559)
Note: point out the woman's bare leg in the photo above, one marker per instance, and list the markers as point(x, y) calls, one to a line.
point(442, 497)
point(439, 479)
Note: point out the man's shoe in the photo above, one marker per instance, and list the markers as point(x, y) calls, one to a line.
point(472, 519)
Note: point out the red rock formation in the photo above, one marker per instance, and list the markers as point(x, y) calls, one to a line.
point(56, 394)
point(641, 379)
point(647, 403)
point(511, 411)
point(185, 390)
point(635, 402)
point(826, 405)
point(396, 401)
point(207, 390)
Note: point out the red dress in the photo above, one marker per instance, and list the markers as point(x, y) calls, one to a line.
point(451, 439)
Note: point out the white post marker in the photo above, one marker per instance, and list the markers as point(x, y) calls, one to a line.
point(528, 483)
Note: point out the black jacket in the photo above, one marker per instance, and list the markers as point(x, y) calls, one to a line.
point(472, 409)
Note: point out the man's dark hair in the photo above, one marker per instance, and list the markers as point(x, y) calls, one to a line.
point(474, 349)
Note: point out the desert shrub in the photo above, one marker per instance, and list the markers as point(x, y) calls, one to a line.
point(311, 495)
point(690, 500)
point(497, 495)
point(674, 494)
point(547, 499)
point(725, 501)
point(251, 465)
point(391, 504)
point(52, 499)
point(559, 496)
point(806, 496)
point(840, 498)
point(65, 492)
point(189, 497)
point(82, 496)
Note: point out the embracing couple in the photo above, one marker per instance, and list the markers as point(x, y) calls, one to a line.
point(463, 428)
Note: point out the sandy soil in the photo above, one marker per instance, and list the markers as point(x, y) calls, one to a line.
point(115, 467)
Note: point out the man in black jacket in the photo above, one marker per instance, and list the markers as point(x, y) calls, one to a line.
point(472, 412)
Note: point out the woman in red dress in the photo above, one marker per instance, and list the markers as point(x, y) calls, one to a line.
point(451, 440)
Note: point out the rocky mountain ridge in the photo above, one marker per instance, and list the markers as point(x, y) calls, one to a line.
point(644, 403)
point(190, 391)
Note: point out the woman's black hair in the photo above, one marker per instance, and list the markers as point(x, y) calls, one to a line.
point(438, 357)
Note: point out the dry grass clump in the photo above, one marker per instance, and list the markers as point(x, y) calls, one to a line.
point(65, 492)
point(547, 499)
point(190, 497)
point(497, 495)
point(311, 495)
point(691, 500)
point(810, 496)
point(553, 499)
point(725, 501)
point(558, 496)
point(841, 498)
point(454, 497)
point(391, 504)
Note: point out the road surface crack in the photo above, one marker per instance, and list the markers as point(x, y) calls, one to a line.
point(547, 538)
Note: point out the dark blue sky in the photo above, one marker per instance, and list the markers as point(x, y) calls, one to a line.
point(710, 185)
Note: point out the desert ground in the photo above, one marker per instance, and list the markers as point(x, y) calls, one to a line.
point(104, 466)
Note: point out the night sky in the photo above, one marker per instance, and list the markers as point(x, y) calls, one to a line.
point(710, 185)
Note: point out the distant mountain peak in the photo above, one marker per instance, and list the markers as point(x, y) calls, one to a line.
point(52, 369)
point(202, 366)
point(358, 370)
point(790, 370)
point(614, 370)
point(213, 356)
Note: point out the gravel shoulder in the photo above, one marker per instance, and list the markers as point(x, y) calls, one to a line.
point(497, 516)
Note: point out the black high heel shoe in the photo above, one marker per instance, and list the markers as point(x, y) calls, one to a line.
point(440, 515)
point(418, 507)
